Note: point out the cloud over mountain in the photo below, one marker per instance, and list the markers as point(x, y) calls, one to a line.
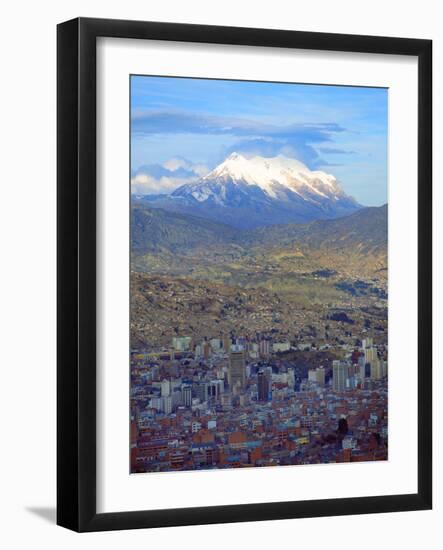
point(300, 140)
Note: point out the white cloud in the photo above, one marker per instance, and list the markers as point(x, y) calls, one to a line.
point(143, 184)
point(178, 172)
point(177, 162)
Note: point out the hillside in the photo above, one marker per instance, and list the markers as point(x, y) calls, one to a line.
point(326, 261)
point(156, 230)
point(364, 232)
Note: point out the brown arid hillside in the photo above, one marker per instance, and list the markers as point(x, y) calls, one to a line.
point(163, 307)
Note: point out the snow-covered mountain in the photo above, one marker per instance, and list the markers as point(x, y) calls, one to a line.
point(261, 191)
point(279, 178)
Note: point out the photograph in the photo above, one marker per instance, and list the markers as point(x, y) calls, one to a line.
point(258, 274)
point(221, 269)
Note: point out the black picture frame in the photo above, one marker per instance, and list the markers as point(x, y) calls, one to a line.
point(76, 295)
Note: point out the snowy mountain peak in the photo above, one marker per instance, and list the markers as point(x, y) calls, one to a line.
point(272, 190)
point(273, 176)
point(236, 160)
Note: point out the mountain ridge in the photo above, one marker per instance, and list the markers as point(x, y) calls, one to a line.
point(157, 229)
point(366, 228)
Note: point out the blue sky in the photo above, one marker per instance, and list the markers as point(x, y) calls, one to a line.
point(182, 127)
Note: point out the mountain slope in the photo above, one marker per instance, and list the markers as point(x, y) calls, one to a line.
point(365, 232)
point(248, 193)
point(157, 230)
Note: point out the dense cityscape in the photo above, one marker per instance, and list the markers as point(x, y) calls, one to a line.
point(239, 401)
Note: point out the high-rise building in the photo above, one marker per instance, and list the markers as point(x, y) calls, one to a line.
point(176, 398)
point(370, 355)
point(364, 368)
point(187, 396)
point(156, 403)
point(214, 389)
point(166, 388)
point(312, 375)
point(237, 367)
point(253, 350)
point(264, 348)
point(155, 372)
point(317, 376)
point(339, 375)
point(201, 391)
point(291, 378)
point(263, 386)
point(167, 404)
point(321, 376)
point(376, 369)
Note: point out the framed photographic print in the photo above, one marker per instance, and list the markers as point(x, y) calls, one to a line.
point(244, 274)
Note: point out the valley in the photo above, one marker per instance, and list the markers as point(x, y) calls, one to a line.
point(280, 277)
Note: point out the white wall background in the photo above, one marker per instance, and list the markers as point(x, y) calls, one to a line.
point(27, 290)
